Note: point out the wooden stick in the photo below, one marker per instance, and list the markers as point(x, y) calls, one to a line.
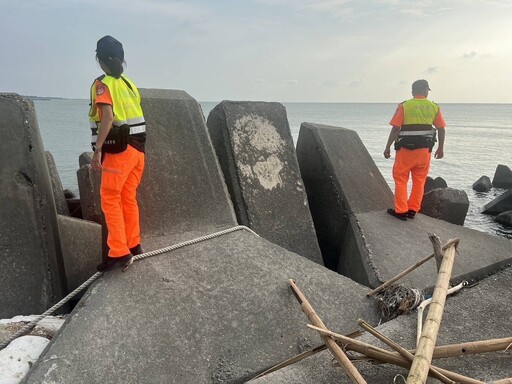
point(299, 357)
point(334, 348)
point(438, 252)
point(423, 357)
point(402, 351)
point(407, 271)
point(384, 356)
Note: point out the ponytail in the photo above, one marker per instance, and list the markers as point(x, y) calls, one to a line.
point(114, 65)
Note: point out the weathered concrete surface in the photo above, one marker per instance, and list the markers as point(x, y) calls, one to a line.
point(218, 311)
point(500, 204)
point(341, 179)
point(182, 187)
point(81, 248)
point(431, 184)
point(58, 192)
point(505, 218)
point(502, 177)
point(479, 313)
point(446, 204)
point(30, 255)
point(255, 149)
point(85, 158)
point(89, 183)
point(380, 247)
point(483, 184)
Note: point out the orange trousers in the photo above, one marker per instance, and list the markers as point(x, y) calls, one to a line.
point(417, 163)
point(120, 177)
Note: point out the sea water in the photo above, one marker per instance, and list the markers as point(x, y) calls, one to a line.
point(478, 138)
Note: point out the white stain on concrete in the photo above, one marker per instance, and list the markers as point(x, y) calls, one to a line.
point(17, 358)
point(268, 171)
point(256, 132)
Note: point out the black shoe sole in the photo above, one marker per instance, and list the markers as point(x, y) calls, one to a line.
point(400, 216)
point(111, 262)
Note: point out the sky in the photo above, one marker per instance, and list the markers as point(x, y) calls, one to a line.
point(269, 50)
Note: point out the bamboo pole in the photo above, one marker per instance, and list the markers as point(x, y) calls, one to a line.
point(388, 357)
point(299, 357)
point(334, 348)
point(407, 271)
point(420, 308)
point(423, 357)
point(402, 351)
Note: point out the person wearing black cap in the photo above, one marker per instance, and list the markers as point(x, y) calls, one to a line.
point(118, 141)
point(414, 127)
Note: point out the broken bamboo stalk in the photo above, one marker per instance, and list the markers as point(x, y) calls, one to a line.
point(388, 357)
point(402, 351)
point(334, 348)
point(407, 271)
point(423, 357)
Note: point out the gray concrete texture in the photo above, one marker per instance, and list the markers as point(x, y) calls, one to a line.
point(479, 313)
point(446, 204)
point(219, 311)
point(502, 203)
point(255, 149)
point(89, 183)
point(31, 266)
point(341, 179)
point(81, 249)
point(380, 247)
point(182, 187)
point(58, 192)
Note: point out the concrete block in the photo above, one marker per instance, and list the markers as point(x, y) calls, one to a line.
point(81, 248)
point(84, 159)
point(505, 218)
point(255, 149)
point(466, 318)
point(341, 179)
point(58, 191)
point(502, 177)
point(483, 184)
point(502, 203)
point(31, 265)
point(218, 311)
point(431, 184)
point(89, 183)
point(388, 246)
point(182, 187)
point(446, 204)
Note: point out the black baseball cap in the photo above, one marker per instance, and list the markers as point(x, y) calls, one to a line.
point(108, 47)
point(420, 85)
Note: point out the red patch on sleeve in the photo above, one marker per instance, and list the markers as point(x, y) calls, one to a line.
point(100, 89)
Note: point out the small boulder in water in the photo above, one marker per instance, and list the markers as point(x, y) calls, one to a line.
point(502, 177)
point(505, 218)
point(483, 184)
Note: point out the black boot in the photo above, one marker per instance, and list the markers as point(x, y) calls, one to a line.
point(410, 214)
point(137, 250)
point(110, 262)
point(400, 216)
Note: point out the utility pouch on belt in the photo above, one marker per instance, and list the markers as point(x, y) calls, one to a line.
point(415, 142)
point(117, 139)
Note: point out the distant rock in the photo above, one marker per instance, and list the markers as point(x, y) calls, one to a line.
point(505, 218)
point(483, 184)
point(431, 184)
point(502, 203)
point(68, 194)
point(446, 204)
point(502, 177)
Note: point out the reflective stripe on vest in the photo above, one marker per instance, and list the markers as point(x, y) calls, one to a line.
point(419, 116)
point(125, 105)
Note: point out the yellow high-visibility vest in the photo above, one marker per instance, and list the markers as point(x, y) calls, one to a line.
point(125, 105)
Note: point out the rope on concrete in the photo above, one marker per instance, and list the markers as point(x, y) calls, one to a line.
point(27, 328)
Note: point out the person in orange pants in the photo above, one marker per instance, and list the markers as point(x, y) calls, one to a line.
point(118, 140)
point(414, 127)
